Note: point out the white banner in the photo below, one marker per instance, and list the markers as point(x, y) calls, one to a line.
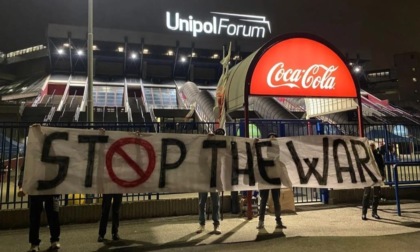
point(65, 161)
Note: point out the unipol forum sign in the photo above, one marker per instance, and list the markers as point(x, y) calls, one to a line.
point(302, 67)
point(220, 23)
point(65, 161)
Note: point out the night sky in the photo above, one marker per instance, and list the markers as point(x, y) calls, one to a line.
point(376, 29)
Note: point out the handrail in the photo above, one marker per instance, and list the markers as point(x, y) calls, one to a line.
point(396, 181)
point(65, 95)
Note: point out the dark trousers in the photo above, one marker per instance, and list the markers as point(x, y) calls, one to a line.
point(51, 209)
point(366, 198)
point(106, 206)
point(275, 193)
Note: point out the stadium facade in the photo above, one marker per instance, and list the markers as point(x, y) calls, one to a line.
point(169, 76)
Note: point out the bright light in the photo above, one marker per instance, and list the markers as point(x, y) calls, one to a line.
point(170, 53)
point(120, 49)
point(60, 51)
point(80, 52)
point(94, 47)
point(24, 88)
point(134, 55)
point(193, 55)
point(66, 45)
point(183, 59)
point(357, 69)
point(215, 56)
point(145, 51)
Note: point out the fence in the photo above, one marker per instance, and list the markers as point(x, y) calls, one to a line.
point(405, 147)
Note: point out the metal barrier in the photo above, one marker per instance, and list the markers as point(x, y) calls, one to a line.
point(410, 179)
point(12, 148)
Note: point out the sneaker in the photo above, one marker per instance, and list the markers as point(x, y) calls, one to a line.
point(280, 225)
point(200, 229)
point(101, 238)
point(260, 224)
point(54, 246)
point(115, 237)
point(33, 248)
point(217, 230)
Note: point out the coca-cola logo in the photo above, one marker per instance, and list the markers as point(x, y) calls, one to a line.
point(301, 67)
point(316, 76)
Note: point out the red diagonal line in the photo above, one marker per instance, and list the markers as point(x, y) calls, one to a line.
point(130, 162)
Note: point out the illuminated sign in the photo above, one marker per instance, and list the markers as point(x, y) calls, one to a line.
point(230, 24)
point(302, 67)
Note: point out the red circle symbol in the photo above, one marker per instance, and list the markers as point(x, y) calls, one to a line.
point(116, 148)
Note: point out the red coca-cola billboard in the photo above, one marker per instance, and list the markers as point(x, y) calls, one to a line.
point(302, 67)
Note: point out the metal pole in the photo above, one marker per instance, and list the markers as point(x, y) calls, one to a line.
point(249, 212)
point(90, 63)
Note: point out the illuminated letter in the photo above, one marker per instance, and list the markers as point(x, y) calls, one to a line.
point(168, 21)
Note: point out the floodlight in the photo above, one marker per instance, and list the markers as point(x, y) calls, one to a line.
point(357, 69)
point(215, 56)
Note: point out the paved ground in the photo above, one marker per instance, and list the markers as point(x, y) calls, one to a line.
point(312, 228)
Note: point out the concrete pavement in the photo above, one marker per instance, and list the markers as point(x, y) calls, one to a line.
point(312, 228)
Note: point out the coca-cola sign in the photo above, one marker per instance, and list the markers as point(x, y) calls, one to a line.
point(302, 67)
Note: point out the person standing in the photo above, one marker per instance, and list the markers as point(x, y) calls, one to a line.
point(116, 200)
point(275, 193)
point(36, 203)
point(376, 189)
point(215, 203)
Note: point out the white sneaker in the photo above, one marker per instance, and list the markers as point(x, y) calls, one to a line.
point(33, 248)
point(200, 229)
point(217, 230)
point(260, 224)
point(54, 246)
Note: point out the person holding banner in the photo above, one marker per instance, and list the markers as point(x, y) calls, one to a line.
point(275, 193)
point(376, 189)
point(106, 206)
point(36, 203)
point(215, 203)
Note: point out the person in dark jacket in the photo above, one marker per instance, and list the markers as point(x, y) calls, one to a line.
point(36, 203)
point(376, 189)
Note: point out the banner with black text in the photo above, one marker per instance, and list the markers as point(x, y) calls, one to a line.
point(65, 161)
